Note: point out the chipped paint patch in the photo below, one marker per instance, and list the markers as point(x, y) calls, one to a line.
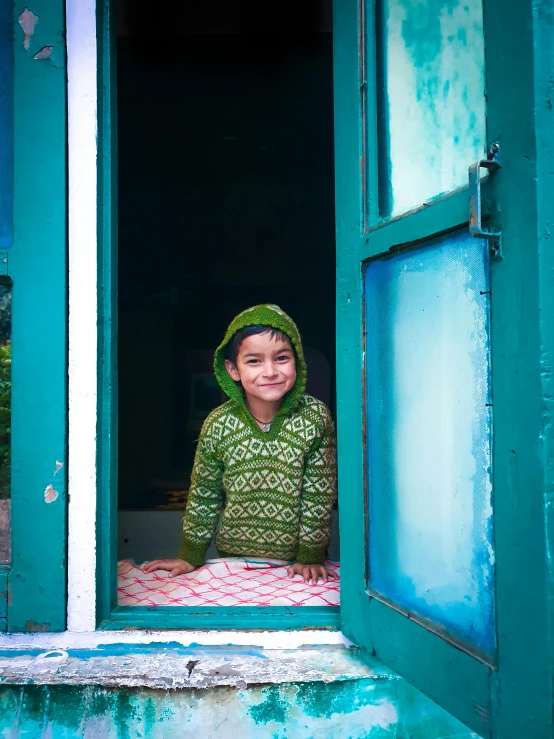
point(59, 464)
point(49, 661)
point(44, 53)
point(28, 21)
point(274, 708)
point(35, 626)
point(50, 494)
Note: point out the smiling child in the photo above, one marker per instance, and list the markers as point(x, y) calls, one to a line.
point(266, 458)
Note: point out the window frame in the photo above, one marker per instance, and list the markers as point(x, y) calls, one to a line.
point(108, 614)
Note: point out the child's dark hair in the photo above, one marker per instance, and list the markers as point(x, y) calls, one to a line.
point(233, 347)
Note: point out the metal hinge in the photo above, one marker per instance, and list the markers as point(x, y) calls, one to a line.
point(491, 164)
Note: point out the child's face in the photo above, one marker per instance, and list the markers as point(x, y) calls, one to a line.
point(265, 367)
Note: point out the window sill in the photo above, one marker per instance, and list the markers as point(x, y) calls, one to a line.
point(177, 666)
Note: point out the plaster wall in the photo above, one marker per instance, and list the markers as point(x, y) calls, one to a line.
point(346, 709)
point(133, 685)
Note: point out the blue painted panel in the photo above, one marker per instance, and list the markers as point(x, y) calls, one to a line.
point(431, 101)
point(6, 125)
point(429, 435)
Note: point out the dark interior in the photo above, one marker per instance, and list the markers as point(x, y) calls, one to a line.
point(226, 199)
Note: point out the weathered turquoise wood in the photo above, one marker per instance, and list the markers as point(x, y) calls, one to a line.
point(514, 700)
point(543, 23)
point(37, 265)
point(106, 590)
point(445, 214)
point(224, 617)
point(519, 83)
point(348, 178)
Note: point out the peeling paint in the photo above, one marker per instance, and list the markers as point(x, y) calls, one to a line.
point(59, 465)
point(35, 626)
point(176, 667)
point(28, 21)
point(191, 664)
point(44, 53)
point(50, 494)
point(274, 708)
point(280, 712)
point(49, 661)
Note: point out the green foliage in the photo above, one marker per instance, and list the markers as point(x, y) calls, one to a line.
point(5, 313)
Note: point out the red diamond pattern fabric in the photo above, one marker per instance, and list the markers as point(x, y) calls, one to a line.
point(224, 582)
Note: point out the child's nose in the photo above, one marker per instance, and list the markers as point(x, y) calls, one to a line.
point(270, 369)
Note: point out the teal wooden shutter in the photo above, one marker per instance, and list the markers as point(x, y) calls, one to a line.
point(37, 264)
point(443, 449)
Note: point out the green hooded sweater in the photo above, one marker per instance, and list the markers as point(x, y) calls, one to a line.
point(276, 488)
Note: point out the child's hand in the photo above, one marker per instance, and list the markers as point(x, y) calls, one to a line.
point(311, 572)
point(174, 566)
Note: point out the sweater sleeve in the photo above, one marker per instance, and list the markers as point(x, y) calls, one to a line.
point(319, 493)
point(204, 501)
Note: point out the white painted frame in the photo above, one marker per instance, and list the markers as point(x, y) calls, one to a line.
point(82, 101)
point(82, 110)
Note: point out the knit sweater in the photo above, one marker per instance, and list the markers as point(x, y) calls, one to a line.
point(275, 489)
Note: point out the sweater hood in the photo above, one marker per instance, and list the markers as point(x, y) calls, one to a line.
point(274, 317)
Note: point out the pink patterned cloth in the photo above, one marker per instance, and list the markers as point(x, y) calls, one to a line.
point(224, 582)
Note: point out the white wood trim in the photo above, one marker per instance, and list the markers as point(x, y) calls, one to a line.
point(82, 235)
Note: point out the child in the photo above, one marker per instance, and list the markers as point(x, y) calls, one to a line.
point(270, 449)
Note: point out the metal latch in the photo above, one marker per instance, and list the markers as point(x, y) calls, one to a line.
point(491, 163)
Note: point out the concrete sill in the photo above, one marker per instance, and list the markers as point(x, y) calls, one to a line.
point(174, 666)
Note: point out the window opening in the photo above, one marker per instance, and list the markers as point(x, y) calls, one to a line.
point(226, 200)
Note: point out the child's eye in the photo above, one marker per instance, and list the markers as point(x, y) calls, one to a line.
point(252, 361)
point(283, 358)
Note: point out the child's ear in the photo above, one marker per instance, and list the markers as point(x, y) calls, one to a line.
point(232, 370)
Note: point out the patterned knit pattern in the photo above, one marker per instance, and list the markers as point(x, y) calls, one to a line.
point(276, 489)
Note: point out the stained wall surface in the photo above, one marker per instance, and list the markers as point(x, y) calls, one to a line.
point(347, 709)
